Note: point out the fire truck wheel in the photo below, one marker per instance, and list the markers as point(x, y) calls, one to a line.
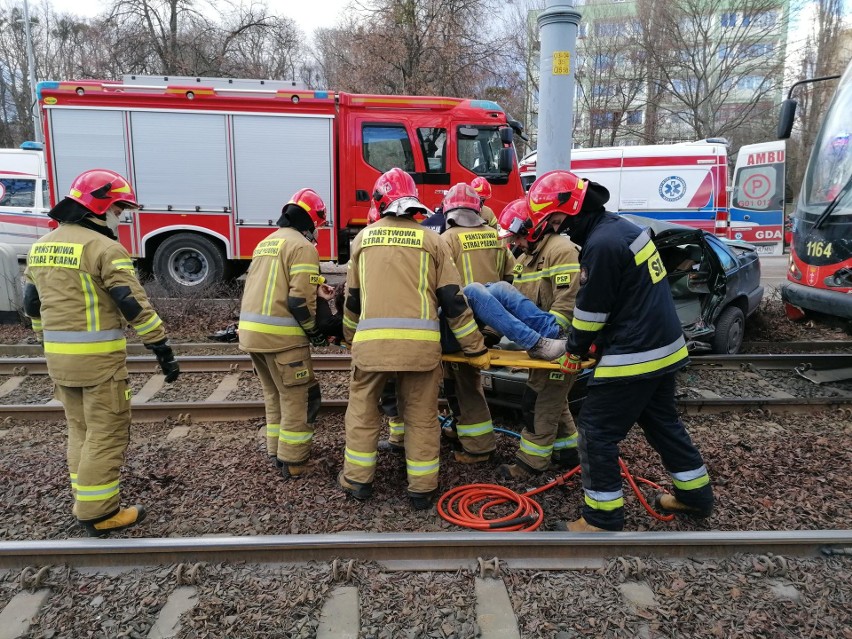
point(730, 328)
point(189, 264)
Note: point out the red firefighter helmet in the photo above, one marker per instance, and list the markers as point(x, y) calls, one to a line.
point(396, 194)
point(461, 196)
point(514, 219)
point(554, 192)
point(98, 189)
point(373, 213)
point(482, 187)
point(312, 204)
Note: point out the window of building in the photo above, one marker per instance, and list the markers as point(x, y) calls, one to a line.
point(602, 119)
point(15, 192)
point(603, 62)
point(386, 146)
point(634, 117)
point(433, 142)
point(765, 19)
point(729, 20)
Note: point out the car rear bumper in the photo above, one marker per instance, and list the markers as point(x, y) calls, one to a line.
point(818, 299)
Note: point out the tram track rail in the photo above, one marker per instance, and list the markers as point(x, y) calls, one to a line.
point(331, 362)
point(437, 551)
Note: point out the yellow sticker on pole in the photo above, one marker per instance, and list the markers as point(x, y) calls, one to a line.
point(561, 63)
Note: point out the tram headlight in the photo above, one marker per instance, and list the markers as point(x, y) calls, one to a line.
point(840, 279)
point(794, 271)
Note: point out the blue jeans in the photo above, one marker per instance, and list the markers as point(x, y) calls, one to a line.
point(505, 309)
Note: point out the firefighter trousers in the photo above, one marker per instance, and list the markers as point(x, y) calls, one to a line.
point(463, 390)
point(98, 432)
point(608, 413)
point(418, 393)
point(549, 431)
point(291, 395)
point(393, 408)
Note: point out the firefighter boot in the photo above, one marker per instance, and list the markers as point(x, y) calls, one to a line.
point(581, 526)
point(669, 505)
point(124, 518)
point(464, 457)
point(423, 501)
point(293, 471)
point(361, 492)
point(393, 447)
point(547, 349)
point(566, 459)
point(518, 471)
point(274, 459)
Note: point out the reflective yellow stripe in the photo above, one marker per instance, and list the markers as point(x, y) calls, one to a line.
point(85, 348)
point(36, 323)
point(422, 285)
point(647, 251)
point(612, 504)
point(396, 427)
point(272, 430)
point(313, 269)
point(422, 468)
point(90, 294)
point(146, 327)
point(359, 458)
point(465, 330)
point(99, 492)
point(413, 334)
point(348, 323)
point(123, 264)
point(645, 367)
point(561, 319)
point(73, 477)
point(269, 293)
point(270, 329)
point(362, 274)
point(468, 269)
point(583, 325)
point(693, 483)
point(534, 449)
point(295, 437)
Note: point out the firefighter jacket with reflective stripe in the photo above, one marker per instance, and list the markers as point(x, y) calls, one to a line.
point(480, 256)
point(400, 273)
point(625, 305)
point(488, 215)
point(81, 292)
point(550, 276)
point(280, 295)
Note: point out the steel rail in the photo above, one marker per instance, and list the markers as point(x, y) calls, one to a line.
point(438, 551)
point(188, 364)
point(332, 362)
point(203, 411)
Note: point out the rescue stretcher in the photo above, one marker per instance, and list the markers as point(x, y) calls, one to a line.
point(513, 359)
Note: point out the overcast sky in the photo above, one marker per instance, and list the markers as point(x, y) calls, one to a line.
point(308, 14)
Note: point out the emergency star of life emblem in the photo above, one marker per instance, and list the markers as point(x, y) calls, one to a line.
point(672, 188)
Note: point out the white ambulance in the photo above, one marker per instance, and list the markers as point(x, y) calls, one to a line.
point(24, 199)
point(687, 184)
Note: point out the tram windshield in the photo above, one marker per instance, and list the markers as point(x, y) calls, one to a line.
point(829, 171)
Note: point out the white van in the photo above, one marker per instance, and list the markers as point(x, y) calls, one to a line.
point(24, 198)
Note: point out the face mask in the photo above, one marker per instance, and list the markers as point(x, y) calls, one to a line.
point(112, 223)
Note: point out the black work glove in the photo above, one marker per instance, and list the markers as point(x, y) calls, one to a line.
point(317, 338)
point(166, 360)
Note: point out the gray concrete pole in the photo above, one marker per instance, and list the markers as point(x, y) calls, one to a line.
point(558, 33)
point(31, 64)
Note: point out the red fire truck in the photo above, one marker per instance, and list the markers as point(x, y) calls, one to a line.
point(214, 160)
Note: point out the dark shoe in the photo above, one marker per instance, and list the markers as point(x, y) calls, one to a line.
point(515, 472)
point(464, 457)
point(229, 334)
point(448, 427)
point(361, 492)
point(566, 459)
point(490, 337)
point(581, 525)
point(293, 471)
point(274, 459)
point(124, 518)
point(667, 504)
point(423, 501)
point(393, 447)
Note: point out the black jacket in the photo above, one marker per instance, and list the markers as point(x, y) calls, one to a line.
point(625, 305)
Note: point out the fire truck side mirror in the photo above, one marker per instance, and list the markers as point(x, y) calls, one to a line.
point(507, 160)
point(786, 118)
point(506, 135)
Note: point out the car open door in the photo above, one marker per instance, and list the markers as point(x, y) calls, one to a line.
point(757, 201)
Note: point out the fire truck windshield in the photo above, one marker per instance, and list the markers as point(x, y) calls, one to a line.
point(830, 167)
point(479, 149)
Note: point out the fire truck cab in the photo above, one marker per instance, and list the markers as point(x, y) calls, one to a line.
point(214, 160)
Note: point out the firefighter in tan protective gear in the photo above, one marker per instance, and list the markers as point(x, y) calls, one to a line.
point(480, 257)
point(399, 274)
point(278, 327)
point(81, 291)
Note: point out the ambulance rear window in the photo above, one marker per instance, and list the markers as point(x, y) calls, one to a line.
point(17, 192)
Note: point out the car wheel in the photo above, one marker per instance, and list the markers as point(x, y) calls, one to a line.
point(730, 328)
point(187, 264)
